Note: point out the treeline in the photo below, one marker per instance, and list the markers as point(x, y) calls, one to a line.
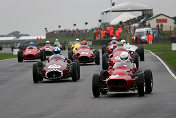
point(16, 34)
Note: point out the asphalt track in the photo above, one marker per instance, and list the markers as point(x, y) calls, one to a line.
point(20, 98)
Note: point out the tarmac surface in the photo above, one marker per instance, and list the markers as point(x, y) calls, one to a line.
point(21, 98)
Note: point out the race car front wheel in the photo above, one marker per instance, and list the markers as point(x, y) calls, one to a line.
point(97, 57)
point(74, 72)
point(35, 73)
point(20, 56)
point(95, 85)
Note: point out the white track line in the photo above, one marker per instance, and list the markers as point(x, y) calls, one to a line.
point(168, 69)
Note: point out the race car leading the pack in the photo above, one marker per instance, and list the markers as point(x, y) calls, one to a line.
point(122, 77)
point(31, 53)
point(57, 67)
point(85, 54)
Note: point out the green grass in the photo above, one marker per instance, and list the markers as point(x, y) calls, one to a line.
point(170, 58)
point(7, 56)
point(159, 47)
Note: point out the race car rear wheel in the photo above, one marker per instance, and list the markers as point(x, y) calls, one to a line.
point(35, 73)
point(40, 67)
point(148, 81)
point(74, 71)
point(0, 47)
point(141, 53)
point(78, 66)
point(42, 55)
point(97, 57)
point(105, 64)
point(140, 85)
point(95, 85)
point(20, 56)
point(104, 49)
point(69, 48)
point(70, 55)
point(136, 60)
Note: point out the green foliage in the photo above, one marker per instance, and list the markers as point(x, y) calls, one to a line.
point(7, 56)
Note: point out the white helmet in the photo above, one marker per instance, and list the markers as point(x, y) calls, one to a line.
point(77, 39)
point(124, 56)
point(123, 41)
point(114, 38)
point(47, 42)
point(56, 40)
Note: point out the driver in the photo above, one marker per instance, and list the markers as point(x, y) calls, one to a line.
point(77, 40)
point(57, 53)
point(47, 42)
point(57, 43)
point(123, 41)
point(120, 44)
point(31, 44)
point(114, 38)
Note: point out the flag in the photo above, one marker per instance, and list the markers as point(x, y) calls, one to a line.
point(113, 2)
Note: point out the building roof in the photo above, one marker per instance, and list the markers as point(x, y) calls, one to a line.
point(123, 17)
point(159, 15)
point(128, 6)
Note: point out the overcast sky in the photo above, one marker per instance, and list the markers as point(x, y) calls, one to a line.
point(32, 16)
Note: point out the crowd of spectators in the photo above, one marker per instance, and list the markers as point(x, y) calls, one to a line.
point(69, 33)
point(104, 31)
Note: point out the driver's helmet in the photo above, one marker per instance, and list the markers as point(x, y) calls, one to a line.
point(77, 40)
point(114, 38)
point(56, 40)
point(123, 41)
point(47, 42)
point(31, 43)
point(124, 56)
point(83, 42)
point(120, 44)
point(57, 50)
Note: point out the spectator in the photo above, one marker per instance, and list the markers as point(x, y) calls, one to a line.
point(150, 38)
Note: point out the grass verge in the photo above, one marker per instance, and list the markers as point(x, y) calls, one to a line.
point(7, 56)
point(170, 58)
point(159, 47)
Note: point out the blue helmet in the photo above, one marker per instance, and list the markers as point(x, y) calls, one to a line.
point(31, 43)
point(57, 50)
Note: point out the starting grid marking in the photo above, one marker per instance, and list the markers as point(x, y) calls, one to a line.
point(165, 65)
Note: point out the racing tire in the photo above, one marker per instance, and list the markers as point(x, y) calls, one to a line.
point(104, 49)
point(78, 67)
point(105, 64)
point(35, 73)
point(95, 86)
point(141, 53)
point(70, 55)
point(136, 60)
point(63, 47)
point(148, 81)
point(74, 72)
point(0, 47)
point(140, 85)
point(69, 48)
point(42, 55)
point(97, 57)
point(107, 55)
point(40, 67)
point(20, 56)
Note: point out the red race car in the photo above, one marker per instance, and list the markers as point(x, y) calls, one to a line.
point(111, 59)
point(31, 53)
point(48, 49)
point(122, 77)
point(111, 46)
point(56, 68)
point(85, 54)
